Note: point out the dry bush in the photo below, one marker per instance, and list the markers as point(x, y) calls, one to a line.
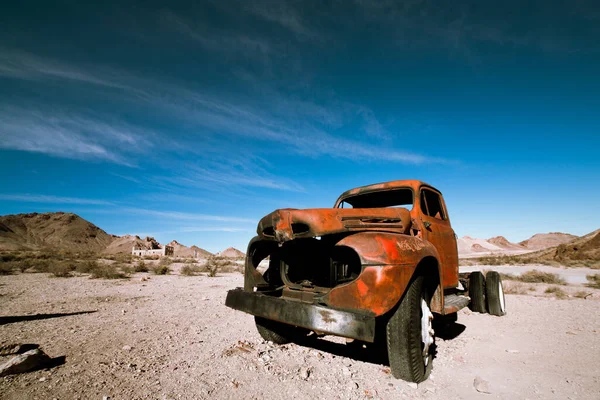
point(125, 258)
point(159, 269)
point(211, 266)
point(189, 260)
point(514, 288)
point(140, 267)
point(62, 269)
point(126, 268)
point(593, 281)
point(535, 276)
point(190, 270)
point(6, 268)
point(582, 294)
point(155, 257)
point(87, 267)
point(107, 271)
point(165, 261)
point(558, 292)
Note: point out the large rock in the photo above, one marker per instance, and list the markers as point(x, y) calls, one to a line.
point(28, 361)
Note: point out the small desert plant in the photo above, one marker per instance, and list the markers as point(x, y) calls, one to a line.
point(62, 269)
point(593, 281)
point(535, 276)
point(140, 267)
point(582, 294)
point(190, 270)
point(211, 266)
point(514, 288)
point(165, 261)
point(189, 260)
point(155, 257)
point(126, 268)
point(558, 292)
point(161, 269)
point(87, 267)
point(107, 271)
point(6, 268)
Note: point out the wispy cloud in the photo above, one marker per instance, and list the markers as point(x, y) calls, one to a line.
point(305, 127)
point(69, 135)
point(283, 14)
point(39, 198)
point(184, 216)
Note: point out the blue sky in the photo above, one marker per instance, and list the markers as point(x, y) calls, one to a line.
point(193, 120)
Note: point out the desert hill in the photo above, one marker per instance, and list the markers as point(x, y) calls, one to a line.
point(502, 242)
point(180, 250)
point(231, 253)
point(124, 244)
point(63, 230)
point(582, 248)
point(546, 240)
point(68, 231)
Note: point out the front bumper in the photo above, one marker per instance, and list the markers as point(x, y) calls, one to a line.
point(314, 317)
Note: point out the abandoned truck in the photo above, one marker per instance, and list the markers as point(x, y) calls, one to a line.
point(376, 268)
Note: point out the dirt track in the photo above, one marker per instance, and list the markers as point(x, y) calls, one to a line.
point(186, 344)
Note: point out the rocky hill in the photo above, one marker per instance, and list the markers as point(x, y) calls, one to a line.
point(231, 253)
point(546, 240)
point(584, 248)
point(124, 244)
point(502, 242)
point(181, 250)
point(62, 230)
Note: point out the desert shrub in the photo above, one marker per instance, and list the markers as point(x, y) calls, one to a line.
point(189, 260)
point(6, 268)
point(120, 257)
point(535, 276)
point(140, 266)
point(558, 292)
point(165, 261)
point(190, 270)
point(87, 267)
point(514, 288)
point(582, 294)
point(126, 268)
point(211, 266)
point(42, 265)
point(107, 271)
point(62, 269)
point(593, 281)
point(155, 257)
point(159, 269)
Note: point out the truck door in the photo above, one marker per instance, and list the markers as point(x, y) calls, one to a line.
point(439, 232)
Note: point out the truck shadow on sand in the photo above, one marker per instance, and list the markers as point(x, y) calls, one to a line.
point(375, 353)
point(20, 318)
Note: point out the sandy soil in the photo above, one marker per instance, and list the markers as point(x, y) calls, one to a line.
point(171, 337)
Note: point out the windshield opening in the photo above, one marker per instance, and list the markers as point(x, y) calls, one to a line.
point(381, 199)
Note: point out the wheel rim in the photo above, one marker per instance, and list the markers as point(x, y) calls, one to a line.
point(501, 295)
point(427, 334)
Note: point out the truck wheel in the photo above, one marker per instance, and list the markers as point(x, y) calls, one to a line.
point(276, 332)
point(494, 294)
point(477, 292)
point(410, 335)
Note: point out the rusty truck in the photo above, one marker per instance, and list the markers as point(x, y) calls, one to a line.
point(378, 267)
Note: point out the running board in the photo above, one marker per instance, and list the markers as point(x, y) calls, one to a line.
point(454, 302)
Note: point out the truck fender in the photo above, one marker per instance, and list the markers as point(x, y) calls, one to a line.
point(389, 261)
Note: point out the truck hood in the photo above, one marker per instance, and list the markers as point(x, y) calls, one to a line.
point(289, 223)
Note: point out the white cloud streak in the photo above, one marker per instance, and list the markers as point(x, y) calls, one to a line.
point(39, 198)
point(184, 216)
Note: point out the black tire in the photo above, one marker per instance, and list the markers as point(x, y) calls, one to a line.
point(494, 294)
point(404, 341)
point(477, 292)
point(278, 332)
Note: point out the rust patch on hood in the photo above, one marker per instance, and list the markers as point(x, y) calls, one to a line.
point(287, 224)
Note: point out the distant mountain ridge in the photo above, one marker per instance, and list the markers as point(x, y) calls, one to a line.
point(500, 245)
point(68, 231)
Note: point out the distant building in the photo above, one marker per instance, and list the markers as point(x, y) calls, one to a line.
point(164, 251)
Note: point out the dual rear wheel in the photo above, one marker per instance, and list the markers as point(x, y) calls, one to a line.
point(487, 293)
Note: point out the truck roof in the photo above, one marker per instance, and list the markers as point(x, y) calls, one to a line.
point(412, 183)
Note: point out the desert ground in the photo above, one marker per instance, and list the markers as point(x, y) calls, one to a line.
point(171, 337)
